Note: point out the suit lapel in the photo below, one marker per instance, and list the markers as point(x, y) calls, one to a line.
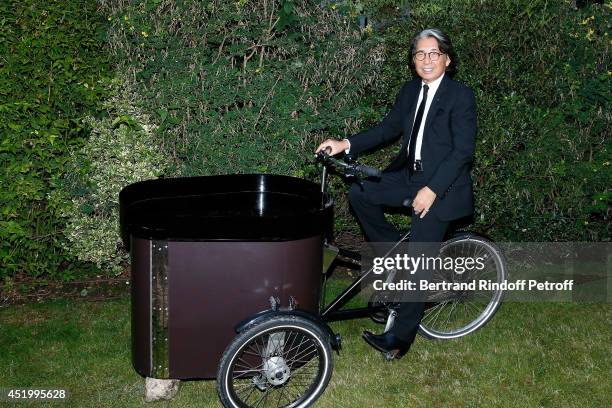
point(411, 110)
point(436, 103)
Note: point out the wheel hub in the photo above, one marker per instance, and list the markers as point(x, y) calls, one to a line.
point(276, 370)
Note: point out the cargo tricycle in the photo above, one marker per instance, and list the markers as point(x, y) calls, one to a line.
point(228, 275)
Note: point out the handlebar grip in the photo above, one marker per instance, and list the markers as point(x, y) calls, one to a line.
point(369, 171)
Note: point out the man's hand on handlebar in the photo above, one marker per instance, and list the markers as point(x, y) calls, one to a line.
point(351, 168)
point(336, 146)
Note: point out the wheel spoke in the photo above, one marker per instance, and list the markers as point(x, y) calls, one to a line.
point(467, 310)
point(304, 339)
point(301, 354)
point(430, 311)
point(277, 349)
point(450, 313)
point(438, 313)
point(247, 365)
point(265, 394)
point(470, 305)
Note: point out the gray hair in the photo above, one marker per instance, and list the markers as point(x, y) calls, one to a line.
point(444, 44)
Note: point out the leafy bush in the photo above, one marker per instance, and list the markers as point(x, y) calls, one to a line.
point(236, 93)
point(245, 86)
point(120, 150)
point(52, 73)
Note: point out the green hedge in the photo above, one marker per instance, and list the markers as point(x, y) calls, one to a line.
point(52, 70)
point(253, 86)
point(245, 86)
point(231, 94)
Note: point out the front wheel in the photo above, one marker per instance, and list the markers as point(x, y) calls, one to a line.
point(284, 361)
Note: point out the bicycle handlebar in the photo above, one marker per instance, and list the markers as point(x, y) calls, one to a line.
point(348, 167)
point(369, 171)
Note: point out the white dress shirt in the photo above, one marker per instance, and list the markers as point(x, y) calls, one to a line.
point(431, 93)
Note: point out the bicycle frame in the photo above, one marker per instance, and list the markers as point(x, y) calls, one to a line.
point(332, 312)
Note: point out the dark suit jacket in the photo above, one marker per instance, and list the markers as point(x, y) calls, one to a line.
point(448, 144)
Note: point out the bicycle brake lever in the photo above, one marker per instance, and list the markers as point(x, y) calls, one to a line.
point(350, 158)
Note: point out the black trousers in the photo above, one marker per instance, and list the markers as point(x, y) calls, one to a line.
point(426, 233)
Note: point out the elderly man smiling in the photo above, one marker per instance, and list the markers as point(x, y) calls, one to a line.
point(435, 117)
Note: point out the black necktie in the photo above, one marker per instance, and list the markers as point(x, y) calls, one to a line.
point(416, 127)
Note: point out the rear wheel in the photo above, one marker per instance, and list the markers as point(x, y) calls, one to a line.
point(451, 314)
point(284, 361)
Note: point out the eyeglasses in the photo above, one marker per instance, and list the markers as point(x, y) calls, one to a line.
point(433, 55)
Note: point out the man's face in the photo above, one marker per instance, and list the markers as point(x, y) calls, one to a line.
point(427, 69)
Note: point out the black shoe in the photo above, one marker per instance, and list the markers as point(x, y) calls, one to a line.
point(387, 343)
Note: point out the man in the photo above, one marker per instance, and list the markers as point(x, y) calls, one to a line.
point(436, 119)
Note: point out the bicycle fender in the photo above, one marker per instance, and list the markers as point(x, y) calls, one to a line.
point(334, 339)
point(467, 234)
